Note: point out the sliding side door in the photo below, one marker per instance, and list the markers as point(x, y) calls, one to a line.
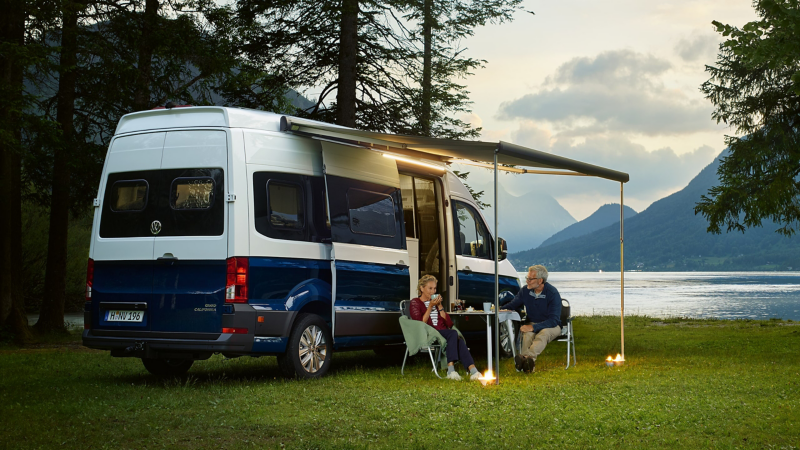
point(369, 256)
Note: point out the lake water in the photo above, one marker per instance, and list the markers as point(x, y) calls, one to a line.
point(724, 295)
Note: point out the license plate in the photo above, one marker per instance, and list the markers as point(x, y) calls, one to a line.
point(124, 316)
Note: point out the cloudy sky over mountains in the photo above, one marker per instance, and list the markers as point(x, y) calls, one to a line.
point(612, 83)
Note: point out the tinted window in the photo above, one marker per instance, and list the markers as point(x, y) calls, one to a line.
point(472, 238)
point(192, 193)
point(187, 202)
point(290, 206)
point(285, 203)
point(182, 200)
point(365, 213)
point(128, 195)
point(371, 213)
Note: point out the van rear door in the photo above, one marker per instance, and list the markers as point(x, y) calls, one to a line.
point(189, 270)
point(123, 247)
point(370, 260)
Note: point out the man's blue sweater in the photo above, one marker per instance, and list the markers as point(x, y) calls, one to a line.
point(544, 310)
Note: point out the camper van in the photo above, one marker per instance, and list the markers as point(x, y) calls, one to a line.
point(247, 233)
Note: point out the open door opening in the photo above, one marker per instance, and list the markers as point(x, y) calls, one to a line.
point(423, 214)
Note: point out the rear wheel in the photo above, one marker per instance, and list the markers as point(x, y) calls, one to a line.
point(167, 367)
point(308, 353)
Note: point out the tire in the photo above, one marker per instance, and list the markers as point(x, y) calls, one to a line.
point(505, 345)
point(167, 367)
point(309, 351)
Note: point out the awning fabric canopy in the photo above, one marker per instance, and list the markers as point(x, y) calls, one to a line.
point(446, 150)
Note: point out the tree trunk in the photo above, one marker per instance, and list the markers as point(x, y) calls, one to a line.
point(427, 58)
point(51, 316)
point(348, 51)
point(141, 98)
point(12, 310)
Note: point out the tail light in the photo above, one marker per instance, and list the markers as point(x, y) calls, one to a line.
point(236, 285)
point(89, 279)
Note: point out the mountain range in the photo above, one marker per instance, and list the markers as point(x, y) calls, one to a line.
point(528, 233)
point(606, 215)
point(668, 236)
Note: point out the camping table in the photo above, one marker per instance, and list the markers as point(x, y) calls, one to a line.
point(506, 317)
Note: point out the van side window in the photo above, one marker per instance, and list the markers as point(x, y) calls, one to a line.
point(371, 213)
point(472, 238)
point(285, 204)
point(365, 213)
point(129, 195)
point(290, 206)
point(191, 193)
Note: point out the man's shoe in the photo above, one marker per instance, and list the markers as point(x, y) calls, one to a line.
point(454, 376)
point(519, 360)
point(529, 365)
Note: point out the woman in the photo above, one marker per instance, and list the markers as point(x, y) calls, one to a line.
point(428, 308)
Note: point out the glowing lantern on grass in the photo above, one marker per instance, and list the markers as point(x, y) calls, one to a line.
point(610, 362)
point(487, 378)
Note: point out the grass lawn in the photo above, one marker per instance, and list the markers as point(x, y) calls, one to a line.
point(686, 384)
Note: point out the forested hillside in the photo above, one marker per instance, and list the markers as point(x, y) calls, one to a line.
point(668, 236)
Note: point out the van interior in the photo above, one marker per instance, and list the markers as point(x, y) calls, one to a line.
point(424, 221)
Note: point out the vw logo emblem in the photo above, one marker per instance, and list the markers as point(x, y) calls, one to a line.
point(155, 227)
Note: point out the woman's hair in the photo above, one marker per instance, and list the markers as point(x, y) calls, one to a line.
point(423, 281)
point(541, 271)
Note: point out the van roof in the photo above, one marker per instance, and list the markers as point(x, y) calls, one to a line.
point(198, 116)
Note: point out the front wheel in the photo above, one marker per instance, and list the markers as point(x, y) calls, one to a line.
point(167, 367)
point(309, 350)
point(505, 339)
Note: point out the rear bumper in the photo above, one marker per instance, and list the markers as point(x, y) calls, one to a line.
point(146, 344)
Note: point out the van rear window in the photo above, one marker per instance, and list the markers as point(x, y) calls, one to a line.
point(192, 193)
point(129, 195)
point(168, 202)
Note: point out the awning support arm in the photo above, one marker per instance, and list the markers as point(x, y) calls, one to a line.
point(622, 269)
point(496, 276)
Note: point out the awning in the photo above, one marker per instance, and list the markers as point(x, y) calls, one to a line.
point(449, 150)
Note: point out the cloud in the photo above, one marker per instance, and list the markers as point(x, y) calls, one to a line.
point(614, 92)
point(698, 47)
point(612, 68)
point(472, 119)
point(653, 174)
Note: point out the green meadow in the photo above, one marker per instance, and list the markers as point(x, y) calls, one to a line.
point(686, 384)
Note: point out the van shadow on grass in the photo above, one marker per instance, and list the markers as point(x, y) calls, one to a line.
point(229, 371)
point(220, 370)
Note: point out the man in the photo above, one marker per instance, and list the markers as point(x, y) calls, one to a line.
point(543, 323)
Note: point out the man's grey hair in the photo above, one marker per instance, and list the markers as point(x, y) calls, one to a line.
point(541, 271)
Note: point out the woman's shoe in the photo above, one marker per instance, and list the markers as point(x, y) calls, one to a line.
point(453, 376)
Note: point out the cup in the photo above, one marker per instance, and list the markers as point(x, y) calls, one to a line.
point(487, 307)
point(434, 296)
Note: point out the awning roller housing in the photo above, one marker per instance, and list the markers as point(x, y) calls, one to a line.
point(444, 150)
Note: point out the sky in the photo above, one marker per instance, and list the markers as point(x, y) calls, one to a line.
point(612, 83)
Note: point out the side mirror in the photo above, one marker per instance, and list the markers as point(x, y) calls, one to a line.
point(503, 253)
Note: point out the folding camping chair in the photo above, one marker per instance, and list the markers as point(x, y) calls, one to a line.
point(566, 332)
point(431, 349)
